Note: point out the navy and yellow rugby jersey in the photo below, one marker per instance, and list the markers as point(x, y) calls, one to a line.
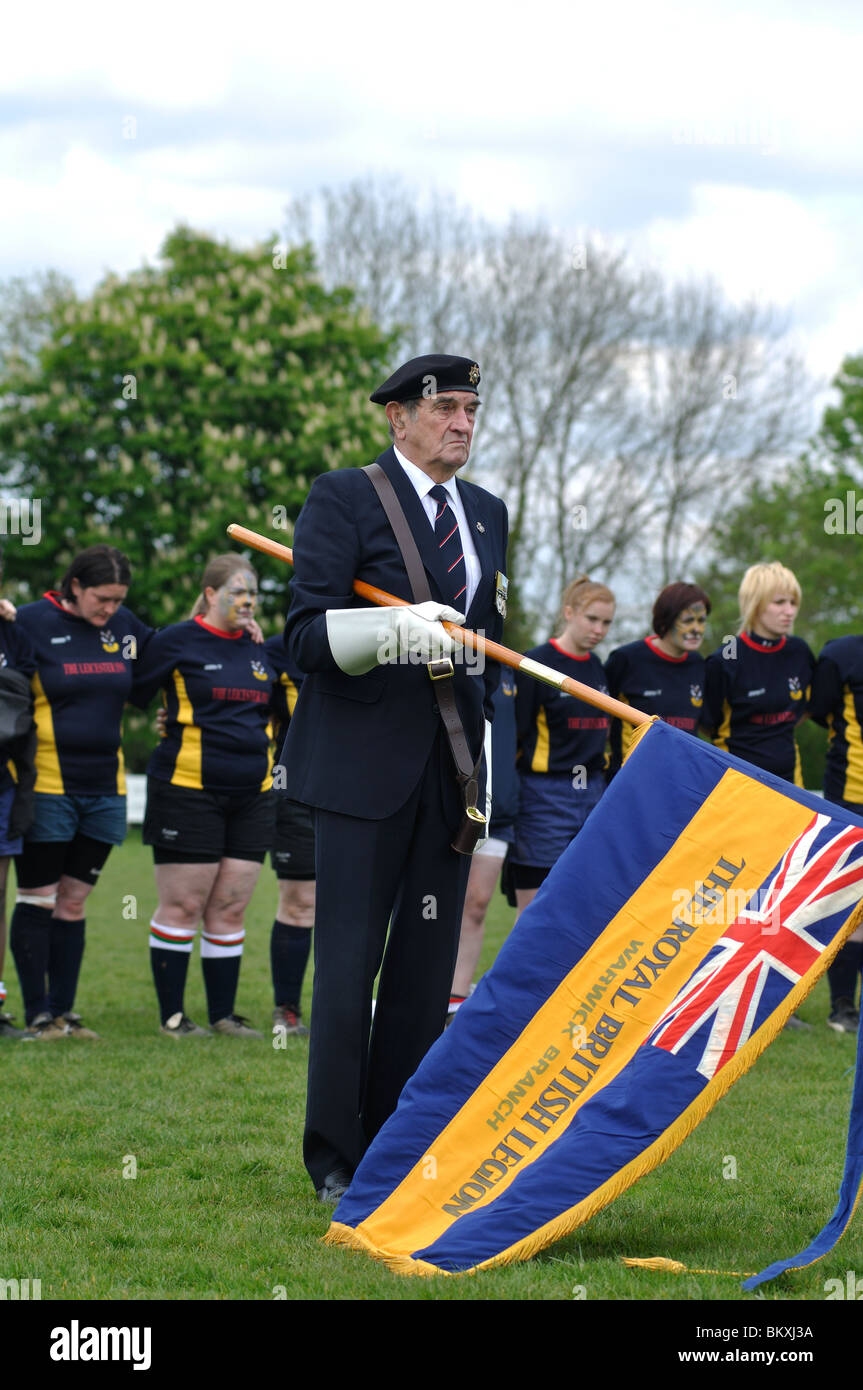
point(218, 689)
point(16, 653)
point(640, 674)
point(837, 703)
point(286, 690)
point(83, 679)
point(754, 698)
point(557, 732)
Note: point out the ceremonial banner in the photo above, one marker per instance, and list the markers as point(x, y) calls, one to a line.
point(688, 919)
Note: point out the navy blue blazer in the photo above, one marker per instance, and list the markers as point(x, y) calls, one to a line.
point(358, 745)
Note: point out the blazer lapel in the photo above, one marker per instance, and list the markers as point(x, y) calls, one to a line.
point(417, 520)
point(482, 540)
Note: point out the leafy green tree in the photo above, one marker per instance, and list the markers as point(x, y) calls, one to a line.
point(209, 388)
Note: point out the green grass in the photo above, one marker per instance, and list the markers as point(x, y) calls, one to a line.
point(221, 1206)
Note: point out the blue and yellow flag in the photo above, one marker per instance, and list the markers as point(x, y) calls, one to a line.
point(688, 919)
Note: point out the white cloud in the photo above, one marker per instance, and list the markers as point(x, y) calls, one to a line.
point(757, 243)
point(100, 216)
point(720, 139)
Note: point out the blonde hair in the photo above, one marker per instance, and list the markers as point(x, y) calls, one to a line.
point(578, 594)
point(217, 573)
point(760, 585)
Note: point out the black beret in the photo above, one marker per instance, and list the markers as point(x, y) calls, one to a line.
point(425, 376)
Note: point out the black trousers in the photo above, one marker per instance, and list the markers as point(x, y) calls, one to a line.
point(389, 897)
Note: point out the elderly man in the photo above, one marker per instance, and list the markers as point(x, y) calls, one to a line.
point(367, 747)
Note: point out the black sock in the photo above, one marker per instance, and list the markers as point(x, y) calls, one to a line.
point(64, 963)
point(843, 973)
point(289, 954)
point(170, 949)
point(220, 960)
point(30, 943)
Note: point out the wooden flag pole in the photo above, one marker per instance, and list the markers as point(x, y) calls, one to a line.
point(477, 643)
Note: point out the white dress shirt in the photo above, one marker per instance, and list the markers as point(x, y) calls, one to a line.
point(423, 485)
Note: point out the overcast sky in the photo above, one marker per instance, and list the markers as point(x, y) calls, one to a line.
point(722, 138)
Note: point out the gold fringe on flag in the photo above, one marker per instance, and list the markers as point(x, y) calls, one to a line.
point(675, 1267)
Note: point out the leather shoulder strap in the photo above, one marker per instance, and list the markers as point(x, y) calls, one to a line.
point(401, 530)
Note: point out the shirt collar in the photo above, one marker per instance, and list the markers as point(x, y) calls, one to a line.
point(763, 644)
point(421, 481)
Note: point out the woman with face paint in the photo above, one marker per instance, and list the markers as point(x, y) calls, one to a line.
point(561, 741)
point(210, 806)
point(86, 645)
point(664, 673)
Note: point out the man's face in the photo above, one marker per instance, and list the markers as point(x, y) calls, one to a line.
point(438, 438)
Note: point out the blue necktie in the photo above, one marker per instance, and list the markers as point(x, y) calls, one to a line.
point(451, 549)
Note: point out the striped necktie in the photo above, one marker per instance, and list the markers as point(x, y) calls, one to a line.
point(451, 549)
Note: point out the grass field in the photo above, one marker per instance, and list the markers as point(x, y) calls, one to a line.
point(220, 1205)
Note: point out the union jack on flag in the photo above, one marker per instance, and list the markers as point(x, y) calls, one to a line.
point(769, 945)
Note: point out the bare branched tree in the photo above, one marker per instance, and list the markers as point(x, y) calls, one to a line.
point(621, 411)
point(26, 306)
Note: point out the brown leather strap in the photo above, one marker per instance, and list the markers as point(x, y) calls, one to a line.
point(468, 770)
point(404, 535)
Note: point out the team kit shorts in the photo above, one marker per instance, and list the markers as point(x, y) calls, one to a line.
point(551, 814)
point(293, 852)
point(186, 825)
point(71, 836)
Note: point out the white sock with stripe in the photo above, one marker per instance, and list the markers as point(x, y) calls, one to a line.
point(171, 938)
point(170, 949)
point(220, 961)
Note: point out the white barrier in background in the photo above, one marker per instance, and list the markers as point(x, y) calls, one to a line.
point(136, 797)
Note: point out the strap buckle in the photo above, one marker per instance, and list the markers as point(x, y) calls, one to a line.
point(441, 670)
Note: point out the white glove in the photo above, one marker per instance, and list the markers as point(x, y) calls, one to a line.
point(362, 638)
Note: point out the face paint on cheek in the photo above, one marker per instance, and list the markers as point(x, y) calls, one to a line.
point(229, 606)
point(689, 626)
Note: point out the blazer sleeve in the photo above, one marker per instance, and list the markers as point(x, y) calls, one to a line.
point(326, 560)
